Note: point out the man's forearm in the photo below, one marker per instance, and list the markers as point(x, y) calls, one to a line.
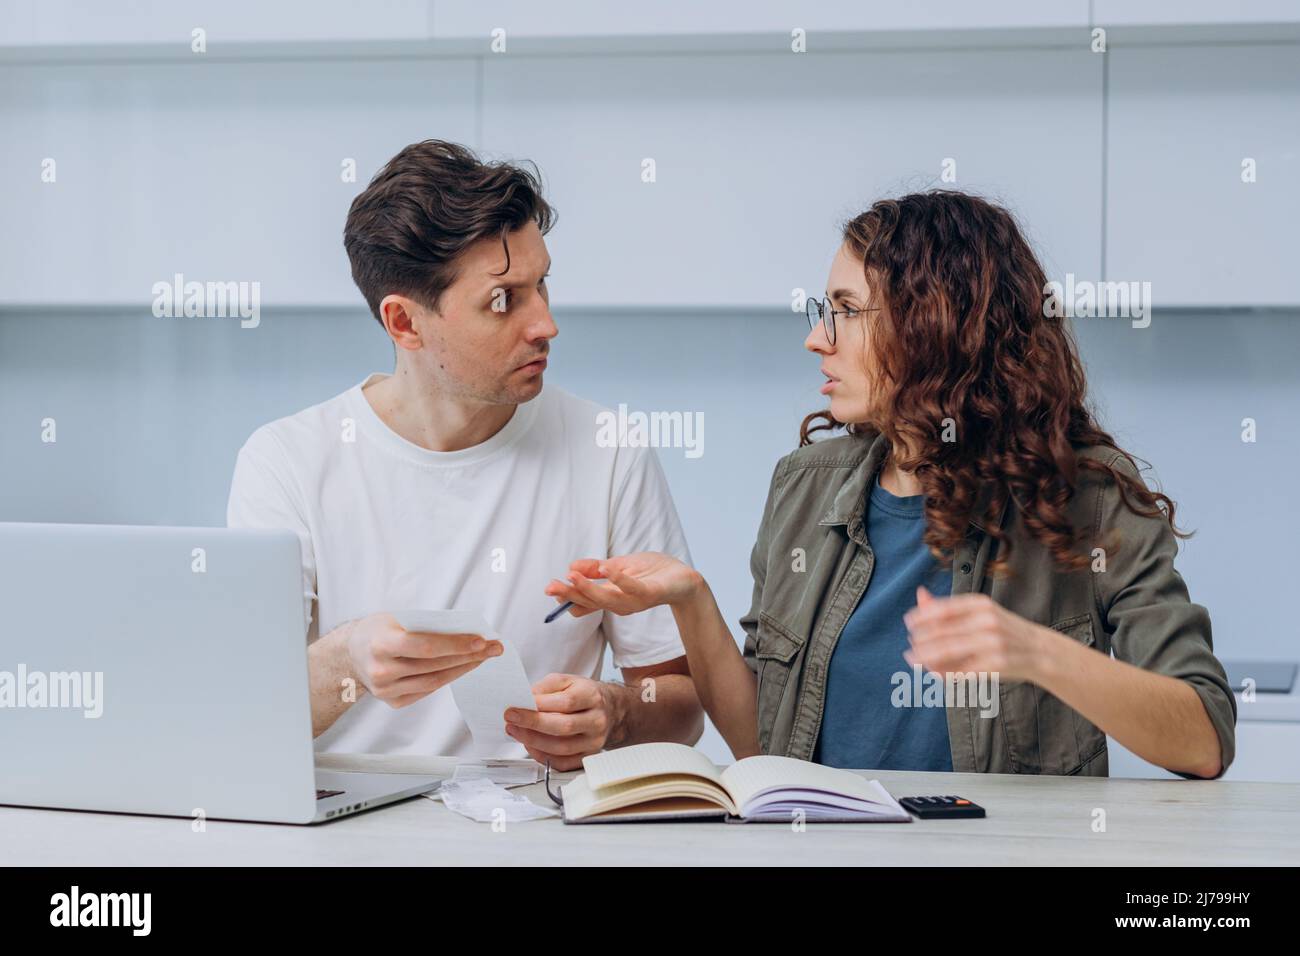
point(663, 707)
point(334, 687)
point(1157, 717)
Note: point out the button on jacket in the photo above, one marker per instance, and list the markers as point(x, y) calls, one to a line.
point(812, 562)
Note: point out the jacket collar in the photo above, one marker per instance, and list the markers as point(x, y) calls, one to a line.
point(851, 500)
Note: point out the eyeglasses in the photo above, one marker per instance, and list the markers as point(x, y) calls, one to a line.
point(821, 310)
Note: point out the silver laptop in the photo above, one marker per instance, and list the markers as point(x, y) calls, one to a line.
point(163, 671)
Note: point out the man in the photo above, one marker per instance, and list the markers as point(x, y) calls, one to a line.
point(457, 482)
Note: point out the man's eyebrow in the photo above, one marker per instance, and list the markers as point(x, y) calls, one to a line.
point(498, 284)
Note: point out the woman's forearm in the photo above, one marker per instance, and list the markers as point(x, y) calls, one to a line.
point(1157, 717)
point(726, 686)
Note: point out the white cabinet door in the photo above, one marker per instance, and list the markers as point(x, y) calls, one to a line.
point(93, 24)
point(218, 171)
point(1188, 12)
point(525, 19)
point(758, 158)
point(1186, 124)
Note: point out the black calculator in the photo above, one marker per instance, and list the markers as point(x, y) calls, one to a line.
point(942, 808)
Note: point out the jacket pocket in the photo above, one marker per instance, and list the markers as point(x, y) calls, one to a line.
point(1045, 735)
point(777, 650)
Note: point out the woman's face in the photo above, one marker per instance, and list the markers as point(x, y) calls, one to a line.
point(848, 364)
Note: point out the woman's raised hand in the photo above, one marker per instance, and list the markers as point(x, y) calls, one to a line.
point(627, 584)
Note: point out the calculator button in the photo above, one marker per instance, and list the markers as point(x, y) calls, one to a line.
point(963, 803)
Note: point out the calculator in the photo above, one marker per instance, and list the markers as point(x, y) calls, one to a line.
point(942, 808)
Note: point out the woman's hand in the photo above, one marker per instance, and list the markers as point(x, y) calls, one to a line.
point(626, 585)
point(971, 633)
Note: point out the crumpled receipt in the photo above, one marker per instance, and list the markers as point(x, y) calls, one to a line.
point(508, 773)
point(486, 802)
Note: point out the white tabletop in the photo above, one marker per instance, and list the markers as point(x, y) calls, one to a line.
point(1031, 820)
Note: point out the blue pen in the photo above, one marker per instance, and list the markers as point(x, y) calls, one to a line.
point(557, 612)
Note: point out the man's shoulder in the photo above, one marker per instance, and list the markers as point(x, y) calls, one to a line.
point(299, 432)
point(583, 425)
point(606, 444)
point(572, 408)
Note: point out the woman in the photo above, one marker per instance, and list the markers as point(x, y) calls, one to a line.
point(932, 589)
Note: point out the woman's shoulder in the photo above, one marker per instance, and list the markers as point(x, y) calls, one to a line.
point(1105, 500)
point(843, 451)
point(1102, 454)
point(1104, 462)
point(806, 480)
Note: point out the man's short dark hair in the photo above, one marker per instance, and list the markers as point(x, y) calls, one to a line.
point(424, 208)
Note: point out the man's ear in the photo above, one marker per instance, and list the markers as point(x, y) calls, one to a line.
point(399, 314)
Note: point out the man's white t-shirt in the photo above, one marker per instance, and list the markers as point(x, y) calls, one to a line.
point(387, 525)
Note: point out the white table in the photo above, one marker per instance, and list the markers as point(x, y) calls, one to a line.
point(1031, 820)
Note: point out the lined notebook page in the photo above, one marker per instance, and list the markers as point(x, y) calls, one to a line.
point(647, 760)
point(752, 775)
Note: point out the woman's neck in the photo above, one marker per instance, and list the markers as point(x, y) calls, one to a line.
point(901, 484)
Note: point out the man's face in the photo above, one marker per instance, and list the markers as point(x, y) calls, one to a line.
point(489, 338)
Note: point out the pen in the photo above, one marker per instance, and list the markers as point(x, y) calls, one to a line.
point(557, 612)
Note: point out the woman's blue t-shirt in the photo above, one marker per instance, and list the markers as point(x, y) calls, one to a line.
point(861, 728)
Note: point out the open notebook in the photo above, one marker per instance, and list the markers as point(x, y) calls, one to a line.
point(664, 781)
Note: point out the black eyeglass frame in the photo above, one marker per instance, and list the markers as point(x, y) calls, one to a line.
point(824, 308)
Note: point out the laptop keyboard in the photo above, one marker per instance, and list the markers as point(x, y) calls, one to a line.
point(322, 794)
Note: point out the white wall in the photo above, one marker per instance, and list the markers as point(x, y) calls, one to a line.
point(672, 295)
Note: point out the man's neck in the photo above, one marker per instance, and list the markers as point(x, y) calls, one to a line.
point(428, 418)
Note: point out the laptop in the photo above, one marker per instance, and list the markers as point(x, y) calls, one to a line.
point(164, 671)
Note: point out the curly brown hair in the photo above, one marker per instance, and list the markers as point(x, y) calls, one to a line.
point(964, 334)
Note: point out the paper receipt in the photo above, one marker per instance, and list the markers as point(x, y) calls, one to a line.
point(484, 693)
